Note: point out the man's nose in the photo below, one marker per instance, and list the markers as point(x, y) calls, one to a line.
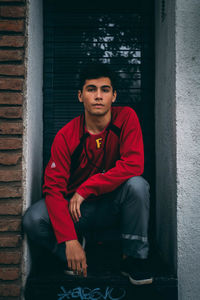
point(98, 94)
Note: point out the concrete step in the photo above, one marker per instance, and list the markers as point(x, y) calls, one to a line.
point(105, 287)
point(47, 280)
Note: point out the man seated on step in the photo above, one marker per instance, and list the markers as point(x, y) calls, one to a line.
point(93, 181)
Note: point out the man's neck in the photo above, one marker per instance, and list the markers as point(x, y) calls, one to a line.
point(96, 124)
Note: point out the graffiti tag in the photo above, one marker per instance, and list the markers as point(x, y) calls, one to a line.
point(85, 293)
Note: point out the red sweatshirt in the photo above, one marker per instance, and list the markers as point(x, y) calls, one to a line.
point(78, 158)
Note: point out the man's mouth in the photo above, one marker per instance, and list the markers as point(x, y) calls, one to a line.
point(98, 105)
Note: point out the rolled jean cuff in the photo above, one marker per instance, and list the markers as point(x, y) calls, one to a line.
point(135, 246)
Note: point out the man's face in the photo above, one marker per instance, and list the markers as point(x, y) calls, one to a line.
point(97, 96)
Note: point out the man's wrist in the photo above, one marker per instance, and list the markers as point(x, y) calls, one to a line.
point(80, 196)
point(66, 242)
point(71, 240)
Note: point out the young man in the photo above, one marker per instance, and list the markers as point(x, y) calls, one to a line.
point(93, 181)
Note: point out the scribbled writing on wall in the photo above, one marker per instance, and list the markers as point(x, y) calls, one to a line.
point(85, 293)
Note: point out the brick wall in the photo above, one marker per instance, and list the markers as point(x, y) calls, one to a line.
point(12, 72)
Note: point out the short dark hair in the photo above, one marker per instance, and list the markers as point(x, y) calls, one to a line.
point(97, 70)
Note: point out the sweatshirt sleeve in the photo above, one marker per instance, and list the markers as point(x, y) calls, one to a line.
point(131, 162)
point(55, 190)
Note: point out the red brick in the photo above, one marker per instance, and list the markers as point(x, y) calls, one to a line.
point(12, 25)
point(10, 143)
point(11, 128)
point(12, 11)
point(10, 240)
point(8, 224)
point(7, 191)
point(11, 55)
point(12, 1)
point(11, 112)
point(10, 207)
point(12, 41)
point(17, 70)
point(9, 158)
point(11, 83)
point(11, 98)
point(7, 175)
point(9, 273)
point(10, 257)
point(10, 290)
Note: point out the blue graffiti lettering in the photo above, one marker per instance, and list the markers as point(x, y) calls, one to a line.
point(85, 293)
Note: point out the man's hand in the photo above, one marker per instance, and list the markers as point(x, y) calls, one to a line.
point(76, 258)
point(74, 206)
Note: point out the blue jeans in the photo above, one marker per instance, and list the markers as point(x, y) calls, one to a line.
point(125, 209)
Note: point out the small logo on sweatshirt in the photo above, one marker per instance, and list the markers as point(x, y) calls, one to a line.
point(98, 141)
point(53, 165)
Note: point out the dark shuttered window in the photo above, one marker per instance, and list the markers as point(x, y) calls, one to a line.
point(120, 36)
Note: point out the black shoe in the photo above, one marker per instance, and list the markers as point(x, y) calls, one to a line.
point(137, 270)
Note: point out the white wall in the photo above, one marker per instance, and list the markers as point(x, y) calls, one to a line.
point(188, 146)
point(177, 140)
point(165, 112)
point(33, 111)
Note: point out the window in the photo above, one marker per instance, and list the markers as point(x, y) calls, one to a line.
point(121, 37)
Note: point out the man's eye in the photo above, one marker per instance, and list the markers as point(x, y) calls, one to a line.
point(106, 90)
point(91, 90)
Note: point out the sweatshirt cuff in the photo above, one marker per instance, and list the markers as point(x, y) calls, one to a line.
point(81, 191)
point(64, 238)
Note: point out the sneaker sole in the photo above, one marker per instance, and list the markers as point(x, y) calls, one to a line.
point(68, 272)
point(138, 282)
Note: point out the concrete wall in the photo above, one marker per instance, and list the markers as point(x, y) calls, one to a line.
point(33, 118)
point(177, 140)
point(188, 146)
point(165, 112)
point(33, 111)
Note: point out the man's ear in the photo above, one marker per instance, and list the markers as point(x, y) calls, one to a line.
point(80, 96)
point(114, 96)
